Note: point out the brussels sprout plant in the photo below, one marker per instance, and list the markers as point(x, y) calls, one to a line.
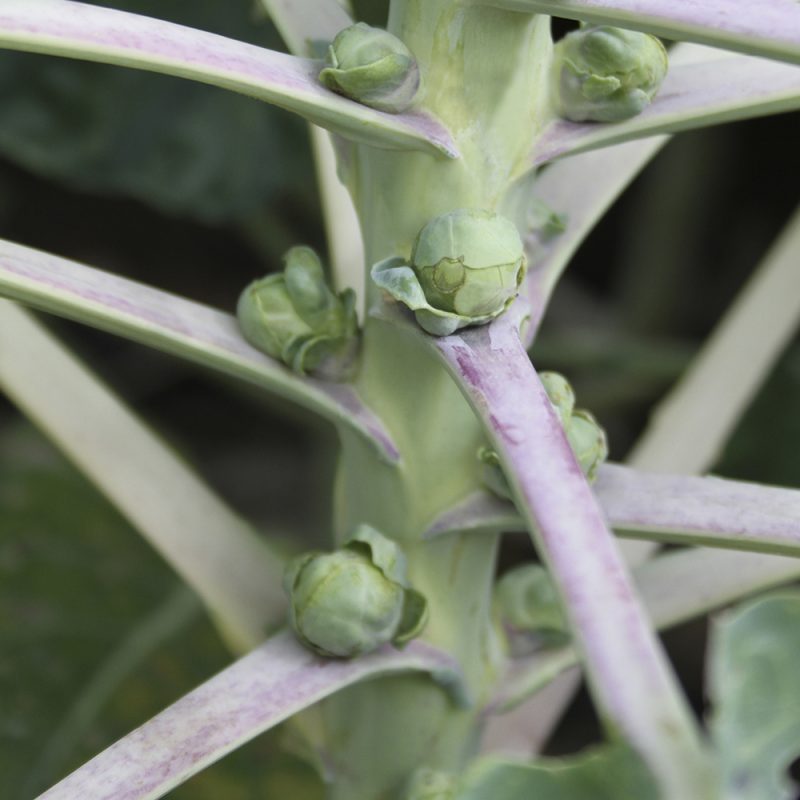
point(464, 149)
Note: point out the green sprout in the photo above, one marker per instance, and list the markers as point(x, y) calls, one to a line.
point(294, 316)
point(465, 269)
point(373, 67)
point(351, 601)
point(607, 74)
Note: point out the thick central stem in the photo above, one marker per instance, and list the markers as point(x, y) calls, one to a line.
point(484, 75)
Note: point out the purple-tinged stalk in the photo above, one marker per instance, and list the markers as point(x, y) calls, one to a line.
point(678, 509)
point(178, 326)
point(768, 27)
point(631, 681)
point(251, 696)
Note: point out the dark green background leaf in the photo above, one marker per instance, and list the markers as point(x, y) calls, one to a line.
point(185, 148)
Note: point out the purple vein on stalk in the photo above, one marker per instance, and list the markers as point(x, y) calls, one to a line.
point(106, 35)
point(678, 509)
point(764, 27)
point(631, 680)
point(254, 694)
point(177, 326)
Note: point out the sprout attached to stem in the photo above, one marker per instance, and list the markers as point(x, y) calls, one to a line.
point(465, 269)
point(373, 67)
point(607, 74)
point(352, 601)
point(294, 316)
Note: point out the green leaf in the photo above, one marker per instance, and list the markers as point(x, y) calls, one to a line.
point(608, 773)
point(755, 686)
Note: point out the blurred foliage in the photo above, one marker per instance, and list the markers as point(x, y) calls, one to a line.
point(76, 582)
point(183, 147)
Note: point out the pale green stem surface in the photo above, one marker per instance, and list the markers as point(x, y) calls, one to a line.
point(304, 24)
point(215, 551)
point(342, 230)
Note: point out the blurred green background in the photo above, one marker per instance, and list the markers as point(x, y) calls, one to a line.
point(197, 191)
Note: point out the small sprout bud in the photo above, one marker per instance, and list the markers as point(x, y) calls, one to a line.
point(586, 438)
point(492, 473)
point(608, 74)
point(465, 269)
point(561, 394)
point(430, 784)
point(295, 317)
point(526, 602)
point(588, 442)
point(373, 67)
point(352, 601)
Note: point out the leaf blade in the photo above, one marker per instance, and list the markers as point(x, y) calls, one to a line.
point(693, 95)
point(755, 687)
point(254, 694)
point(94, 33)
point(770, 27)
point(177, 326)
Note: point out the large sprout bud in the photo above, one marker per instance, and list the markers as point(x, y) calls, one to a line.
point(607, 74)
point(295, 317)
point(373, 67)
point(352, 601)
point(588, 442)
point(465, 268)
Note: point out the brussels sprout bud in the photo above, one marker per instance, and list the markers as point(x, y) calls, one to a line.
point(466, 268)
point(526, 601)
point(429, 784)
point(492, 473)
point(354, 600)
point(586, 438)
point(607, 74)
point(295, 317)
point(561, 394)
point(373, 67)
point(588, 442)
